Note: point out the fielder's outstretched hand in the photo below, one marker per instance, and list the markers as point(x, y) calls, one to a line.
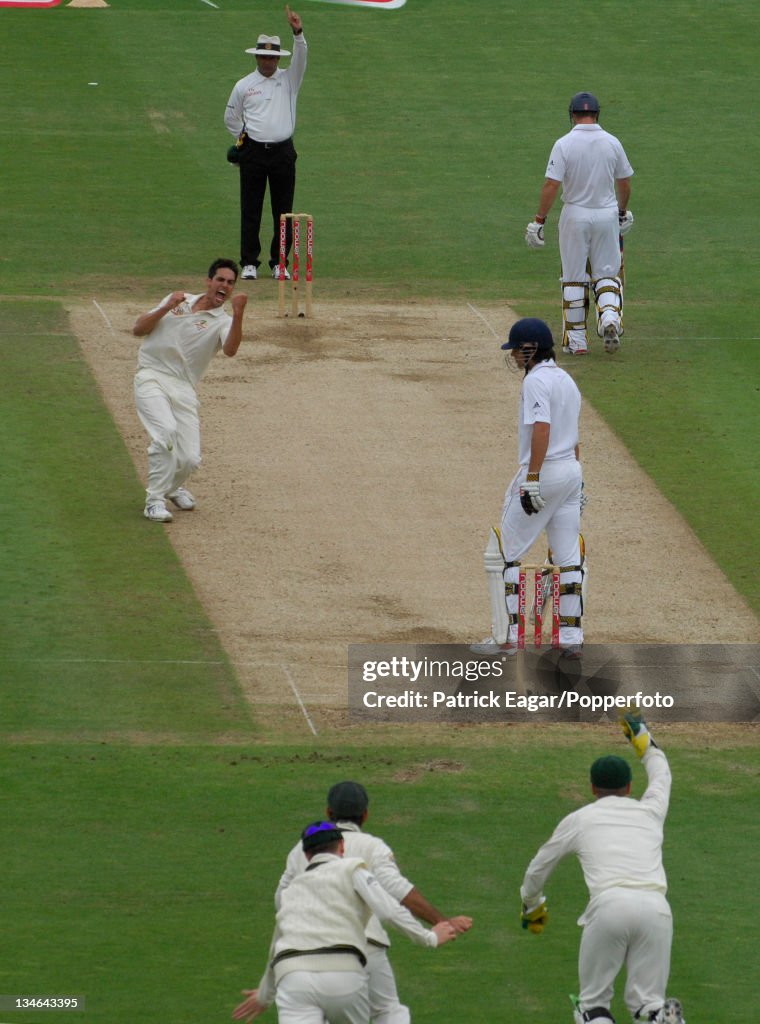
point(250, 1007)
point(445, 931)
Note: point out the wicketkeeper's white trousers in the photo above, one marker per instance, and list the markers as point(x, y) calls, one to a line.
point(313, 997)
point(168, 409)
point(631, 928)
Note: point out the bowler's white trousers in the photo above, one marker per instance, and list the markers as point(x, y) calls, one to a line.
point(561, 519)
point(631, 927)
point(168, 409)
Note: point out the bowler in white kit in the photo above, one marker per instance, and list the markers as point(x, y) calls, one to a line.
point(182, 334)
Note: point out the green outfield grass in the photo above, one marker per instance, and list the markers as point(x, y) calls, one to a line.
point(141, 875)
point(421, 160)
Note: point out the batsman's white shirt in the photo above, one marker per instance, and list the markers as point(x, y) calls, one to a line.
point(618, 840)
point(183, 343)
point(588, 161)
point(549, 395)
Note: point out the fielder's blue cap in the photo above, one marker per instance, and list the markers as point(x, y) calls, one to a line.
point(529, 331)
point(320, 833)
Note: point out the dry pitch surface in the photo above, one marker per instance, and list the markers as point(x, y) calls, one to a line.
point(352, 466)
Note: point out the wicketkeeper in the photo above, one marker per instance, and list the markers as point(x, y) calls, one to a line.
point(618, 841)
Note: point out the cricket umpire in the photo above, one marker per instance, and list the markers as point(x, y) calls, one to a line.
point(261, 114)
point(595, 175)
point(545, 494)
point(627, 922)
point(319, 950)
point(348, 808)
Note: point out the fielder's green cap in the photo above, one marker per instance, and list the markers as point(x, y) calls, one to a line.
point(610, 772)
point(348, 800)
point(320, 833)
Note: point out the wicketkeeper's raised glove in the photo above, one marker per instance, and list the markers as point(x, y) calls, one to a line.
point(636, 732)
point(625, 221)
point(534, 235)
point(534, 920)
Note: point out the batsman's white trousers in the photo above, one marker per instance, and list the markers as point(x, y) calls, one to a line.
point(631, 927)
point(592, 235)
point(313, 997)
point(384, 1004)
point(168, 409)
point(561, 519)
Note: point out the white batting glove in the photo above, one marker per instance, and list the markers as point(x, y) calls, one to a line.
point(625, 221)
point(534, 235)
point(530, 495)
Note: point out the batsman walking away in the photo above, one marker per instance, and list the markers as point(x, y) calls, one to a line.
point(627, 922)
point(595, 175)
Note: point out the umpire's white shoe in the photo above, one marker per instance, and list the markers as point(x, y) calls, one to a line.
point(490, 649)
point(276, 273)
point(183, 499)
point(157, 512)
point(249, 272)
point(671, 1013)
point(611, 337)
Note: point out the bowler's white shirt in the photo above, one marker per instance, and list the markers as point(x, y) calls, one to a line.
point(183, 343)
point(588, 161)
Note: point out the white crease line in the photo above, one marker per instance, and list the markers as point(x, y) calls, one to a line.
point(286, 670)
point(209, 3)
point(102, 313)
point(484, 319)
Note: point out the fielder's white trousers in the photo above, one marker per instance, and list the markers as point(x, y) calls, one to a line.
point(385, 1007)
point(316, 997)
point(631, 928)
point(561, 519)
point(168, 409)
point(591, 235)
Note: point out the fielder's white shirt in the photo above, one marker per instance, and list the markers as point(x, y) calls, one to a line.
point(183, 343)
point(618, 840)
point(267, 106)
point(588, 161)
point(378, 857)
point(329, 905)
point(549, 395)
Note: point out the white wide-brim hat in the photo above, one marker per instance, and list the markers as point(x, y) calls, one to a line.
point(268, 46)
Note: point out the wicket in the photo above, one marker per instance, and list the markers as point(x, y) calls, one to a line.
point(539, 573)
point(296, 219)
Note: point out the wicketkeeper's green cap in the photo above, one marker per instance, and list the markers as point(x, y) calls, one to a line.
point(610, 772)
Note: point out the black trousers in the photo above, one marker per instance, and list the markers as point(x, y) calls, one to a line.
point(261, 165)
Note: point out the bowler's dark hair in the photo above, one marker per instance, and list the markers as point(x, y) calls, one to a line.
point(227, 264)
